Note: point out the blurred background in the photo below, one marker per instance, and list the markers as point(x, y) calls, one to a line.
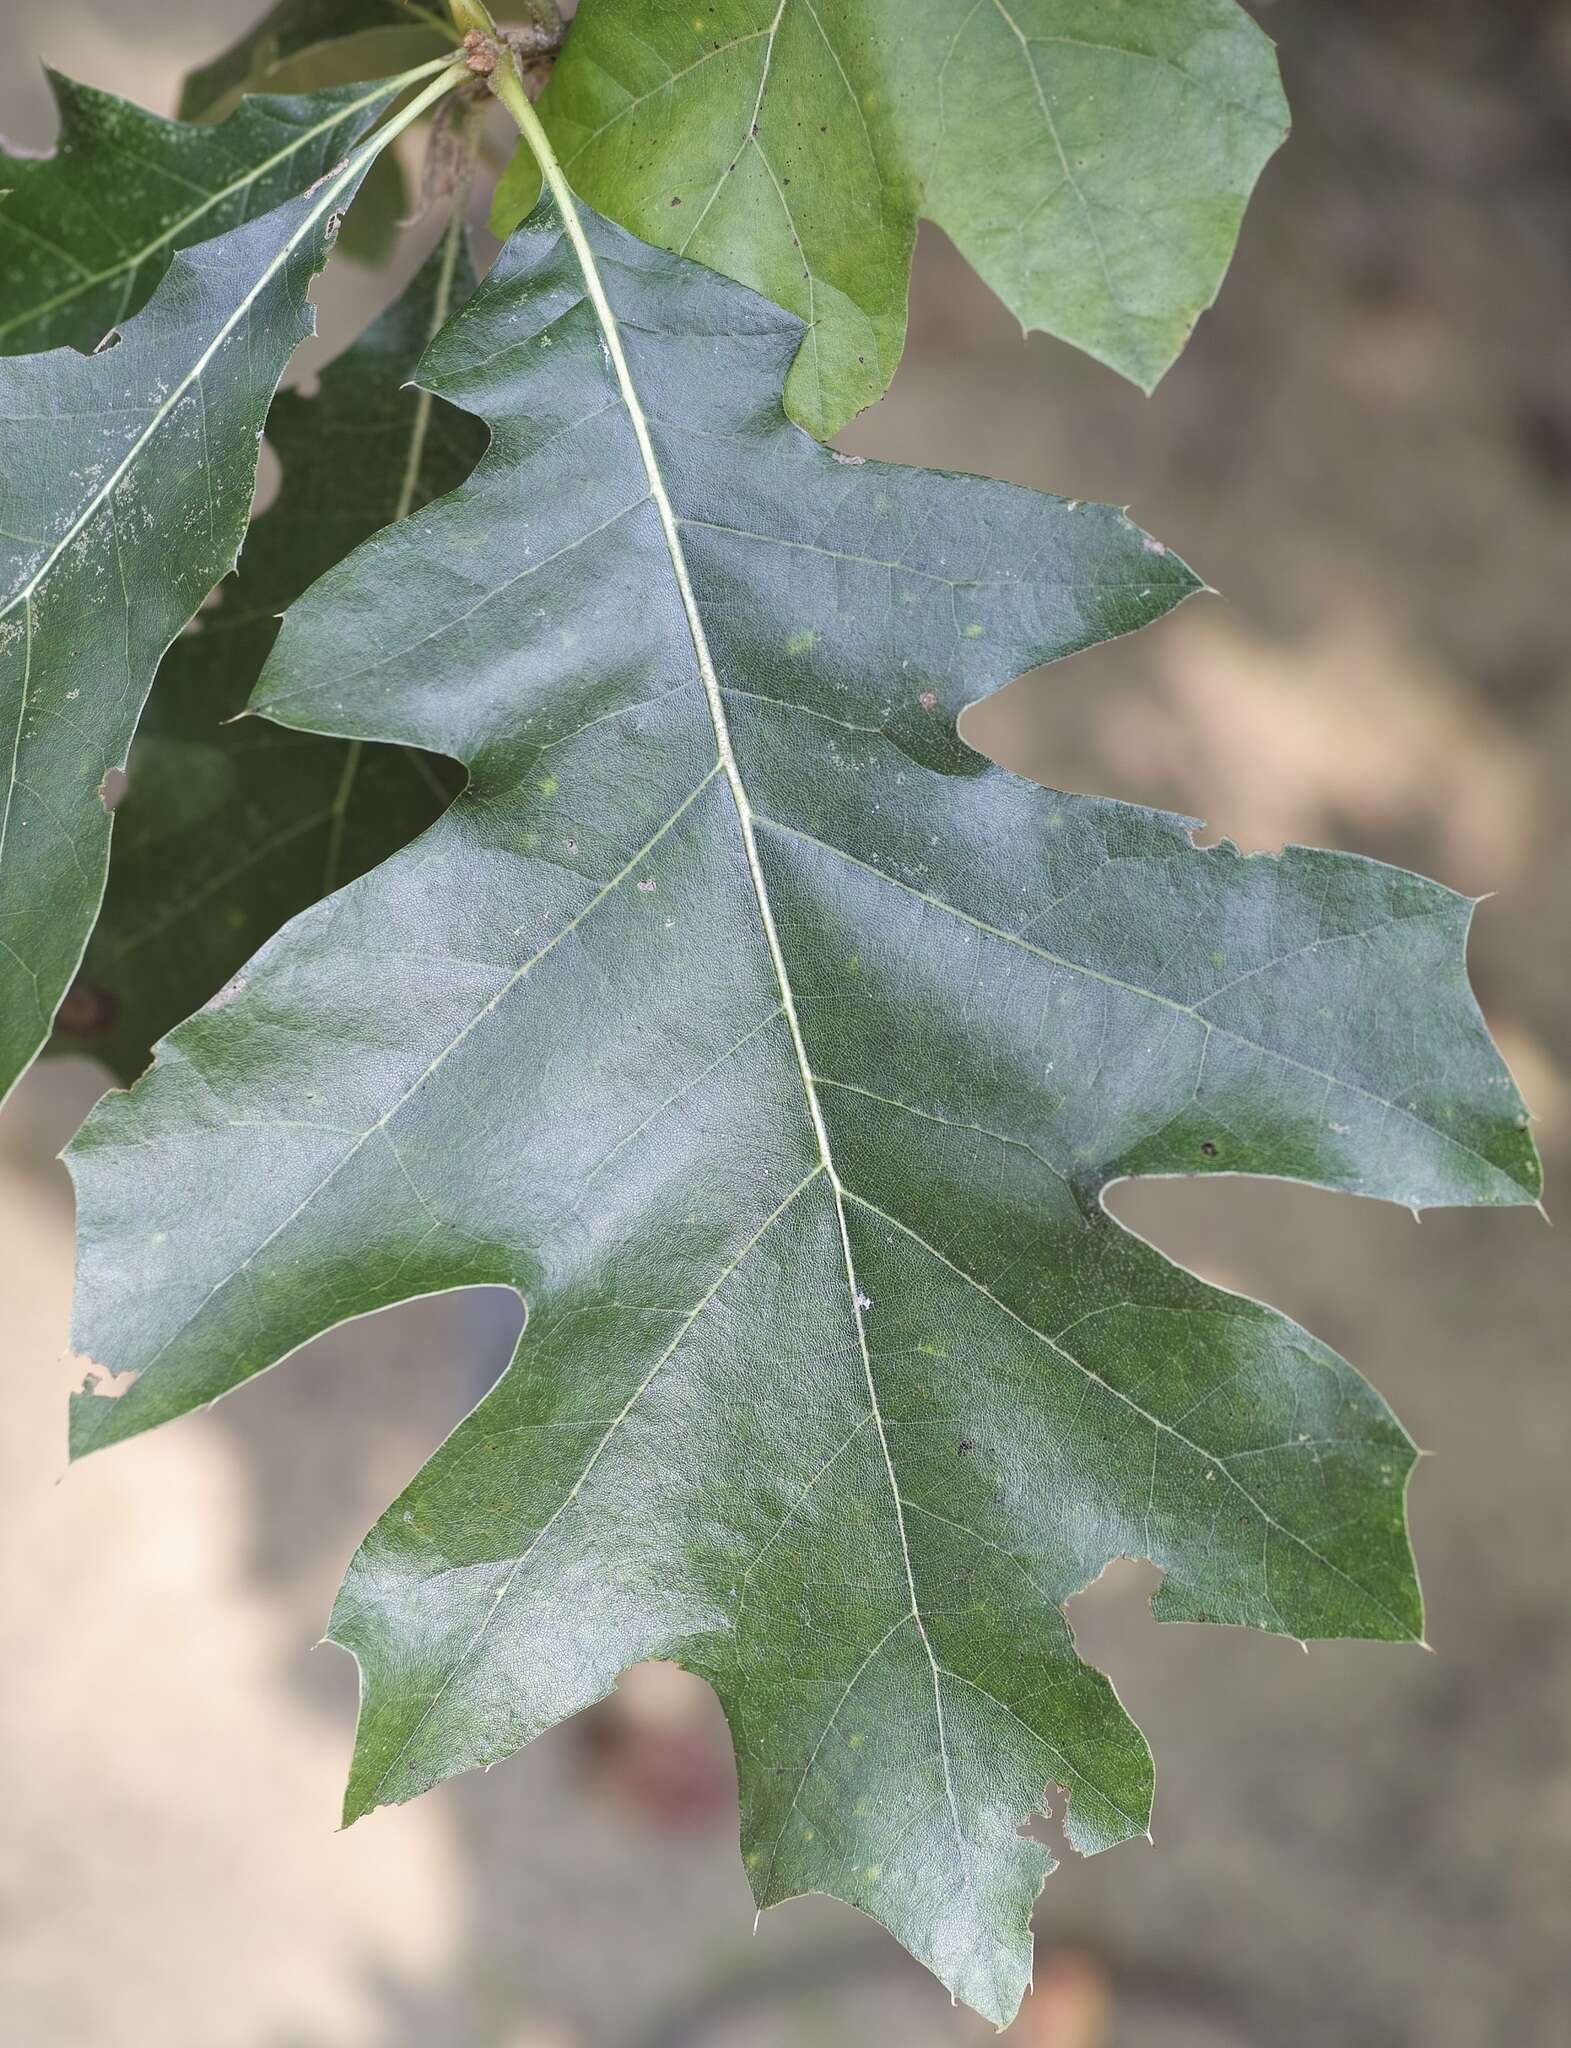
point(1367, 450)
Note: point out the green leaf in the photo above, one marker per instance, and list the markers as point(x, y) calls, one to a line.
point(1092, 161)
point(301, 45)
point(129, 479)
point(230, 828)
point(87, 233)
point(778, 1050)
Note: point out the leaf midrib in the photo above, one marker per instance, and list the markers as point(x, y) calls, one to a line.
point(567, 207)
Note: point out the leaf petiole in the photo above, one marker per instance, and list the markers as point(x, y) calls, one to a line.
point(444, 73)
point(507, 83)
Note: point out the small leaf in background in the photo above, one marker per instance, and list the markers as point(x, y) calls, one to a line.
point(86, 233)
point(228, 829)
point(1092, 162)
point(129, 480)
point(779, 1050)
point(303, 45)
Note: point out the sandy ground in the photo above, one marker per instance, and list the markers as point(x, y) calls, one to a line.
point(1368, 450)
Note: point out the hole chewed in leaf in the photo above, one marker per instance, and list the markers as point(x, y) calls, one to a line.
point(101, 1383)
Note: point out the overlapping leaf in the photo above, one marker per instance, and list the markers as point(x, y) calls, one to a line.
point(1092, 161)
point(85, 234)
point(230, 828)
point(304, 44)
point(128, 479)
point(778, 1050)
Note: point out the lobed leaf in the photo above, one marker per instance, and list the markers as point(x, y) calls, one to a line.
point(129, 476)
point(1092, 162)
point(230, 828)
point(779, 1050)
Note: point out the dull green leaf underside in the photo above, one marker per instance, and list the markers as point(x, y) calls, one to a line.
point(227, 829)
point(778, 1050)
point(302, 45)
point(129, 476)
point(1092, 161)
